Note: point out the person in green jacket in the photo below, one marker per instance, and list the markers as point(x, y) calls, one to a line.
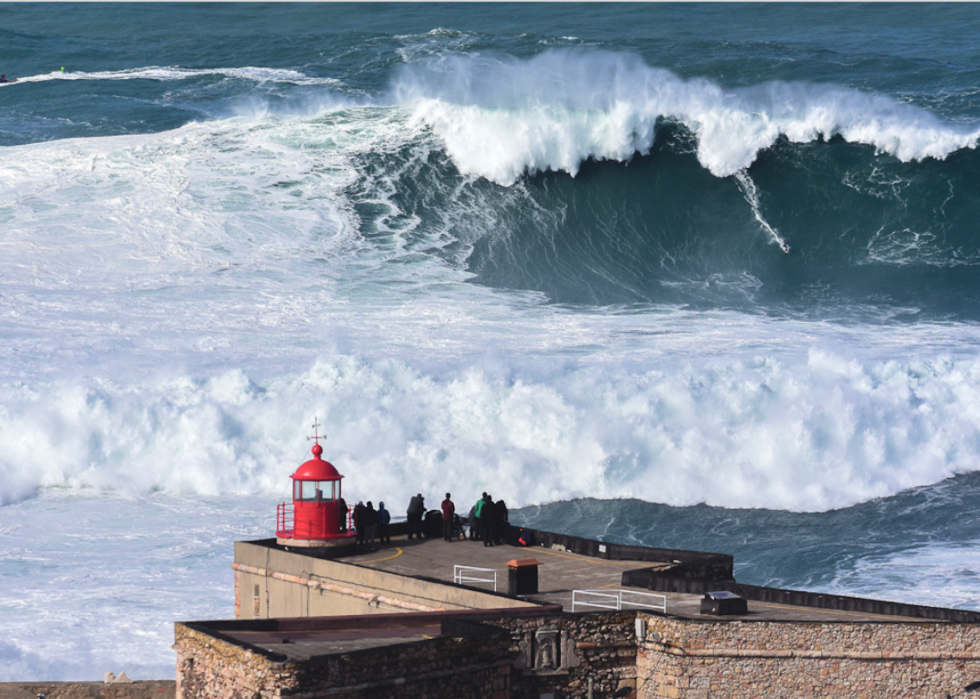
point(478, 508)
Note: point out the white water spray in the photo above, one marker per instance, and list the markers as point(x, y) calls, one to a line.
point(751, 194)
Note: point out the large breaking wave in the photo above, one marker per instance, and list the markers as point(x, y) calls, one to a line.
point(504, 117)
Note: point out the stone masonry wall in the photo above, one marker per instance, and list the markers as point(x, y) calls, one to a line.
point(442, 667)
point(209, 668)
point(743, 660)
point(525, 657)
point(597, 648)
point(567, 654)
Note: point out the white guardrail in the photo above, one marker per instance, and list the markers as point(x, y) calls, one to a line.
point(466, 574)
point(615, 599)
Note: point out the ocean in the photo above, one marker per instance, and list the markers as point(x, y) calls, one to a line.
point(687, 275)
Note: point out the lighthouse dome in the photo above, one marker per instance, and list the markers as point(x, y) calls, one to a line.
point(316, 469)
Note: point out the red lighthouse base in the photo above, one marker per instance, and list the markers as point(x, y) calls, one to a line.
point(345, 540)
point(310, 530)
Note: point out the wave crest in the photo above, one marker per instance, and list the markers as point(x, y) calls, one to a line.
point(500, 118)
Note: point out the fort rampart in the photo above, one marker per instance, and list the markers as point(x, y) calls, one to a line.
point(500, 656)
point(750, 659)
point(442, 667)
point(527, 656)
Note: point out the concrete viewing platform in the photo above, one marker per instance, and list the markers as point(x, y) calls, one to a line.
point(561, 572)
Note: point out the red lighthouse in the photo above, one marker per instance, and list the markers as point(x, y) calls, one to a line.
point(314, 518)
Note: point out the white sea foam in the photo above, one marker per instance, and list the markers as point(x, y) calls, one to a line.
point(501, 118)
point(826, 432)
point(94, 584)
point(170, 73)
point(937, 575)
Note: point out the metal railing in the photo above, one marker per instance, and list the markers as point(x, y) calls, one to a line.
point(284, 519)
point(615, 599)
point(465, 574)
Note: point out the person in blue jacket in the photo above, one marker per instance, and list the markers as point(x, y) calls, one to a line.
point(384, 519)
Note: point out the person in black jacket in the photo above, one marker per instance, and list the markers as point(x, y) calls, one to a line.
point(359, 521)
point(416, 510)
point(488, 520)
point(500, 528)
point(370, 517)
point(342, 511)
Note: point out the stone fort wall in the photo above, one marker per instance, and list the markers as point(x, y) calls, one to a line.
point(742, 660)
point(561, 655)
point(442, 667)
point(508, 657)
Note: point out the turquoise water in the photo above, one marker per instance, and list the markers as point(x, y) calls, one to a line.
point(536, 249)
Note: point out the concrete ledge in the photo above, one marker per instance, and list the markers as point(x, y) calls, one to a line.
point(809, 654)
point(853, 604)
point(368, 621)
point(687, 564)
point(668, 581)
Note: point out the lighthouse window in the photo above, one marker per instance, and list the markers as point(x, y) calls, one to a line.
point(307, 490)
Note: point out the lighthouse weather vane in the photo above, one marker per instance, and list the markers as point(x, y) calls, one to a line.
point(316, 431)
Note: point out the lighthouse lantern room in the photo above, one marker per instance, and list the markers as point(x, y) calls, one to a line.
point(316, 516)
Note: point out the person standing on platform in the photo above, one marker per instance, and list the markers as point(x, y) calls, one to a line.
point(384, 519)
point(448, 518)
point(472, 523)
point(342, 511)
point(500, 528)
point(359, 521)
point(488, 520)
point(416, 509)
point(370, 516)
point(478, 510)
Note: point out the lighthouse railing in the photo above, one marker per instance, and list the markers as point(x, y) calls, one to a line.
point(285, 519)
